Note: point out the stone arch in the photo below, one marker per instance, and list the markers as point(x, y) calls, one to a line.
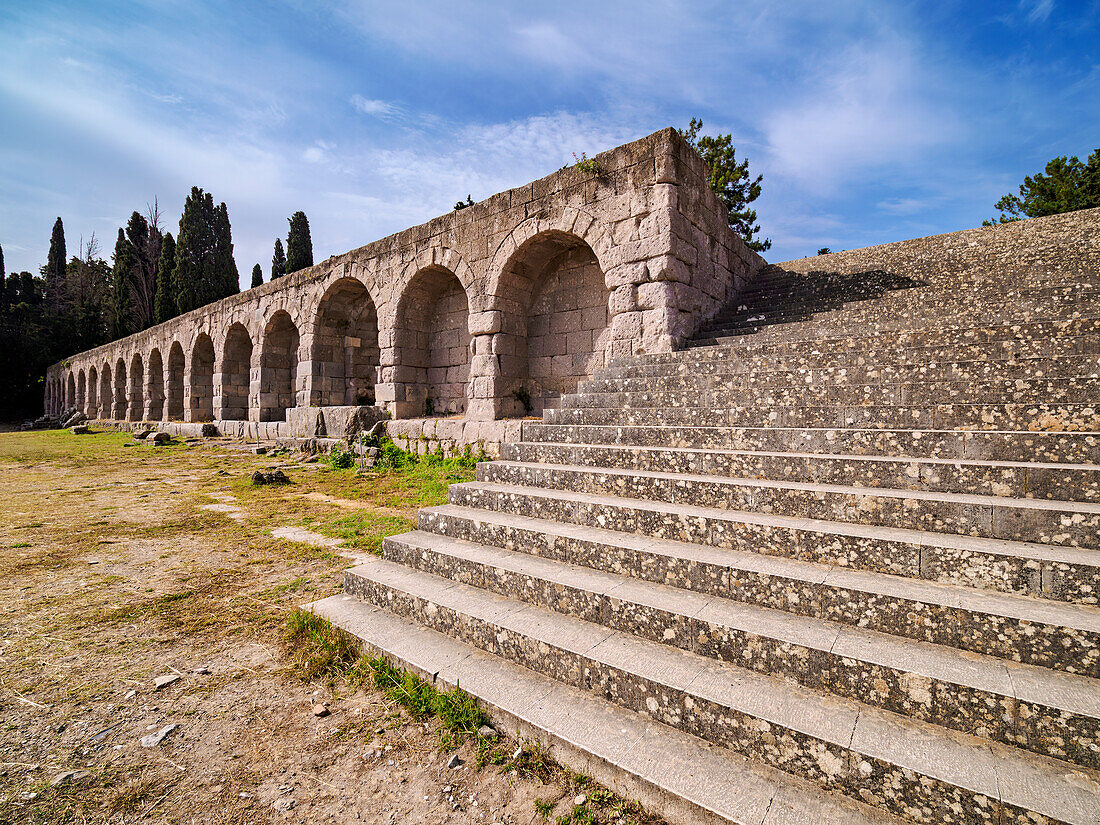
point(555, 323)
point(345, 346)
point(70, 390)
point(175, 378)
point(92, 399)
point(432, 344)
point(279, 361)
point(81, 389)
point(106, 392)
point(136, 410)
point(200, 402)
point(118, 410)
point(236, 374)
point(154, 392)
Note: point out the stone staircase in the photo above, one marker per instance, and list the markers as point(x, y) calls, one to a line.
point(836, 561)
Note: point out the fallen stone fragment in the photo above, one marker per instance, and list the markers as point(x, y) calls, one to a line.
point(320, 710)
point(80, 429)
point(283, 804)
point(202, 670)
point(161, 438)
point(69, 778)
point(580, 799)
point(141, 435)
point(165, 680)
point(487, 732)
point(154, 739)
point(455, 762)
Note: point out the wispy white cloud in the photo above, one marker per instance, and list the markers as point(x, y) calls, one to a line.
point(1037, 11)
point(378, 108)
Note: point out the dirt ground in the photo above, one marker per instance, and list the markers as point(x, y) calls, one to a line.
point(122, 562)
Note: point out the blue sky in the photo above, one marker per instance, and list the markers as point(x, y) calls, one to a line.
point(871, 121)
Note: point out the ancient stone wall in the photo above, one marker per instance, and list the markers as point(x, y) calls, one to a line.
point(487, 313)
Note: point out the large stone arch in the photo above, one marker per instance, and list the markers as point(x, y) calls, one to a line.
point(154, 387)
point(235, 377)
point(431, 336)
point(175, 383)
point(118, 408)
point(279, 362)
point(106, 392)
point(136, 409)
point(344, 354)
point(554, 325)
point(91, 408)
point(200, 382)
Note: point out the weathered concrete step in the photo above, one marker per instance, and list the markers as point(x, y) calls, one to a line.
point(680, 777)
point(1074, 482)
point(1043, 633)
point(962, 691)
point(969, 445)
point(1062, 573)
point(759, 292)
point(788, 389)
point(906, 767)
point(767, 370)
point(1024, 416)
point(1061, 523)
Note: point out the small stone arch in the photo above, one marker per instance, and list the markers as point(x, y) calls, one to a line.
point(118, 411)
point(555, 322)
point(92, 403)
point(236, 374)
point(345, 353)
point(81, 389)
point(70, 390)
point(279, 360)
point(176, 381)
point(136, 409)
point(432, 344)
point(154, 409)
point(200, 402)
point(106, 392)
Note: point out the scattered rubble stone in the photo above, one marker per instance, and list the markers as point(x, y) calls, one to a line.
point(80, 429)
point(284, 804)
point(161, 438)
point(320, 710)
point(69, 778)
point(487, 732)
point(165, 680)
point(277, 477)
point(154, 739)
point(455, 762)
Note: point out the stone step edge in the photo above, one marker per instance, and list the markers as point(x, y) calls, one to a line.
point(875, 430)
point(683, 779)
point(1013, 606)
point(1055, 553)
point(941, 663)
point(872, 459)
point(1049, 505)
point(996, 771)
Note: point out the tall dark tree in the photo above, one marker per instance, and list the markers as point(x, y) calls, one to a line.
point(119, 314)
point(278, 261)
point(87, 278)
point(164, 304)
point(1067, 186)
point(3, 279)
point(204, 270)
point(299, 245)
point(257, 276)
point(54, 270)
point(730, 181)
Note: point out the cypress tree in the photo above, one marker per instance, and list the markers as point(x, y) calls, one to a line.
point(257, 276)
point(278, 261)
point(299, 246)
point(225, 266)
point(164, 304)
point(55, 263)
point(204, 270)
point(118, 301)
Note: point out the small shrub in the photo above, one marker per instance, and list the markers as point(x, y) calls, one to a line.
point(585, 164)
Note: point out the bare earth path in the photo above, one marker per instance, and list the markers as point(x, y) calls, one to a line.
point(112, 573)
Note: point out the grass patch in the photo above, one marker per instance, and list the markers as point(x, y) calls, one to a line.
point(365, 530)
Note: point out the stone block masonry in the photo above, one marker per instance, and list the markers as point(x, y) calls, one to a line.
point(483, 314)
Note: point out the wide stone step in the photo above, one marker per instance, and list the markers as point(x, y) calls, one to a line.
point(1062, 573)
point(788, 389)
point(906, 767)
point(965, 692)
point(1018, 628)
point(970, 445)
point(1023, 416)
point(680, 777)
point(1077, 482)
point(1063, 523)
point(780, 371)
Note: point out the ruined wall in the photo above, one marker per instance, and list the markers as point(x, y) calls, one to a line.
point(518, 296)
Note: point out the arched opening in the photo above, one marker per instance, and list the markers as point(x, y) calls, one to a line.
point(432, 338)
point(70, 391)
point(176, 370)
point(106, 394)
point(555, 324)
point(236, 374)
point(81, 390)
point(201, 407)
point(154, 405)
point(119, 410)
point(278, 367)
point(137, 389)
point(92, 408)
point(345, 346)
